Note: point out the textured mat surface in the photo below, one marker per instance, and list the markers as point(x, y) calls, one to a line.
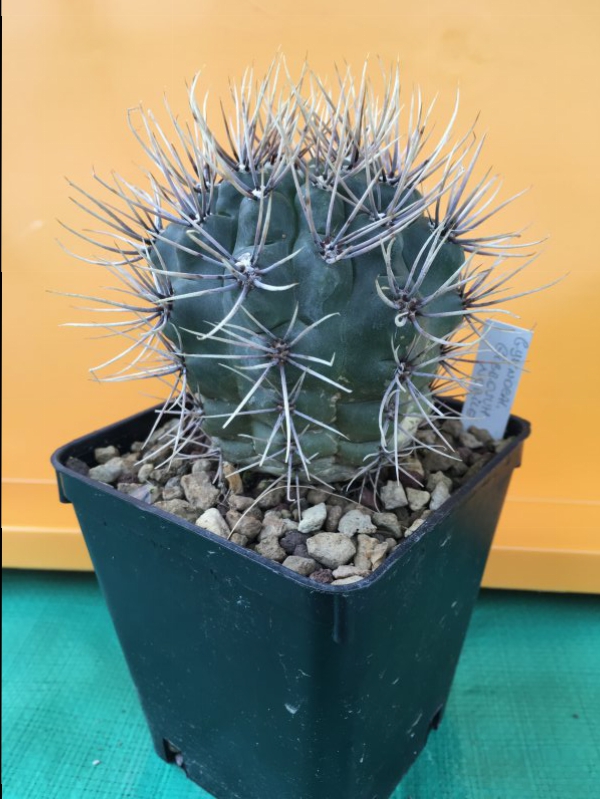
point(523, 719)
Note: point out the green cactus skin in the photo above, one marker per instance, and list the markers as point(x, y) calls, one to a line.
point(306, 291)
point(350, 324)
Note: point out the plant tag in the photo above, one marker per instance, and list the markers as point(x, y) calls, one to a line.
point(500, 358)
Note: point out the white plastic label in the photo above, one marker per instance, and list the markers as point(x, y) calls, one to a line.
point(500, 358)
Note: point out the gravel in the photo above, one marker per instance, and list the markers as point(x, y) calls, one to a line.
point(354, 522)
point(313, 518)
point(212, 521)
point(199, 490)
point(393, 495)
point(331, 549)
point(304, 566)
point(109, 471)
point(329, 538)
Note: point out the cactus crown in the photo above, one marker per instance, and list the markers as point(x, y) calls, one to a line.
point(313, 289)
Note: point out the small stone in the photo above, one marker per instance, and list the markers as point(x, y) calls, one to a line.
point(269, 548)
point(393, 495)
point(145, 471)
point(391, 544)
point(313, 518)
point(414, 526)
point(482, 435)
point(202, 465)
point(104, 454)
point(438, 460)
point(346, 580)
point(355, 522)
point(366, 547)
point(459, 468)
point(291, 540)
point(137, 446)
point(316, 496)
point(439, 495)
point(77, 465)
point(239, 539)
point(438, 477)
point(245, 525)
point(336, 500)
point(304, 566)
point(379, 554)
point(417, 500)
point(267, 496)
point(288, 524)
point(272, 526)
point(467, 439)
point(453, 426)
point(108, 472)
point(240, 502)
point(301, 551)
point(199, 491)
point(212, 521)
point(334, 514)
point(331, 549)
point(428, 436)
point(349, 571)
point(388, 522)
point(179, 507)
point(323, 576)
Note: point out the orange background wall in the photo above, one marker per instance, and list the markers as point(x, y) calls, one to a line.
point(71, 69)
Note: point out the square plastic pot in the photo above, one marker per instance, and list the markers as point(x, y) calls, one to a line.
point(263, 684)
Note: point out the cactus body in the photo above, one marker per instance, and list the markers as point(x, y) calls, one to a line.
point(311, 285)
point(337, 307)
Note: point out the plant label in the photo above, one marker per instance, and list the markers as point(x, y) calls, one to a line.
point(500, 358)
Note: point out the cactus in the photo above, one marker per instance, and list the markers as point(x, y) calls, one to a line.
point(315, 286)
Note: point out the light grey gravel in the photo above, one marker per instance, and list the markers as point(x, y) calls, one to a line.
point(439, 495)
point(417, 499)
point(393, 495)
point(355, 521)
point(199, 491)
point(313, 518)
point(108, 472)
point(331, 549)
point(349, 571)
point(104, 454)
point(212, 521)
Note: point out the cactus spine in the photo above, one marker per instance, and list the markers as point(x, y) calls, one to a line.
point(315, 285)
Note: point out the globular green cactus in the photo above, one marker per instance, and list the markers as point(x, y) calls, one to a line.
point(315, 285)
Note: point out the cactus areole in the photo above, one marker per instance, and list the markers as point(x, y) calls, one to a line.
point(315, 287)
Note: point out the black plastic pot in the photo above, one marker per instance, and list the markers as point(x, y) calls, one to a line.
point(262, 683)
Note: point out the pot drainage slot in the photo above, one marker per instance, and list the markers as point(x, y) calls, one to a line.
point(174, 755)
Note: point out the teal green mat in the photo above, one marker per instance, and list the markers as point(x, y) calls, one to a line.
point(523, 719)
